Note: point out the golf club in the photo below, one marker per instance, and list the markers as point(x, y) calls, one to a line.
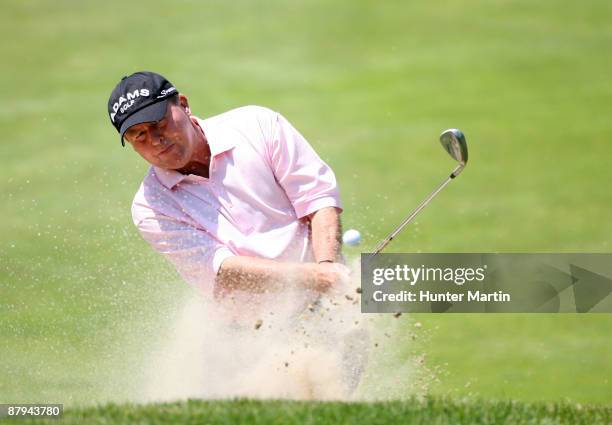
point(454, 143)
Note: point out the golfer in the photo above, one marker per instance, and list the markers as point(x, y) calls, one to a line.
point(236, 202)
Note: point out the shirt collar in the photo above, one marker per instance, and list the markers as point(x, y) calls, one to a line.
point(217, 143)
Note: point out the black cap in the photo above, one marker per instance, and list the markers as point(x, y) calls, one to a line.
point(140, 97)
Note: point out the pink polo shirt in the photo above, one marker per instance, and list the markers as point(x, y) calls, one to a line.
point(264, 179)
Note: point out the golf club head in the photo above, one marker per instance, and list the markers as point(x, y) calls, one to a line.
point(454, 142)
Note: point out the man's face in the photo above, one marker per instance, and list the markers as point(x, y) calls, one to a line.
point(168, 143)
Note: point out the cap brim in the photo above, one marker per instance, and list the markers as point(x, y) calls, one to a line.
point(151, 113)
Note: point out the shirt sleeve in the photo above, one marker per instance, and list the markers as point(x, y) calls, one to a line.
point(307, 180)
point(195, 254)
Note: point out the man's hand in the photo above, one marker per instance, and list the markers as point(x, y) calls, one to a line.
point(328, 275)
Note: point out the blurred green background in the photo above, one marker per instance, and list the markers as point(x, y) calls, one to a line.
point(371, 85)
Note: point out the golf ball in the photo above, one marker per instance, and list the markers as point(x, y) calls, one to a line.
point(351, 237)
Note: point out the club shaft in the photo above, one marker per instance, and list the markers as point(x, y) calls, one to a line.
point(417, 210)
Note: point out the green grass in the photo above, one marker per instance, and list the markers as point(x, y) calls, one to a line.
point(526, 357)
point(371, 85)
point(430, 411)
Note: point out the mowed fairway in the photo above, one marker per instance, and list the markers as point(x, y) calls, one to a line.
point(425, 412)
point(82, 298)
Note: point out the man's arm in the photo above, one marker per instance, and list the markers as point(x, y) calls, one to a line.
point(255, 274)
point(326, 234)
point(260, 275)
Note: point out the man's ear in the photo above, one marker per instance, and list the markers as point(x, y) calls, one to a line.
point(184, 102)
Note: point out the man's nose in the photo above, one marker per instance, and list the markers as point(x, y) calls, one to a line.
point(155, 135)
